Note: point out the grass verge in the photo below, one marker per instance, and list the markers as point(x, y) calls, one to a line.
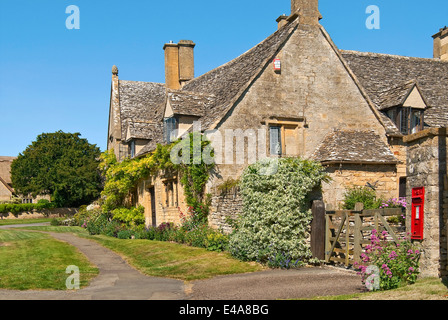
point(176, 261)
point(423, 289)
point(7, 222)
point(35, 261)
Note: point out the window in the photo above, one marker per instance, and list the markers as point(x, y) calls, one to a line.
point(406, 119)
point(170, 128)
point(275, 140)
point(284, 140)
point(171, 199)
point(132, 148)
point(402, 188)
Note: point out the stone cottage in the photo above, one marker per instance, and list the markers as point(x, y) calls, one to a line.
point(294, 94)
point(6, 190)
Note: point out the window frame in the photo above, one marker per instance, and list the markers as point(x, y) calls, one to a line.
point(282, 126)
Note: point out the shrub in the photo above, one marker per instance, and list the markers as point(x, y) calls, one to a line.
point(365, 195)
point(54, 222)
point(24, 207)
point(396, 264)
point(130, 216)
point(396, 203)
point(125, 234)
point(276, 213)
point(98, 225)
point(283, 260)
point(216, 241)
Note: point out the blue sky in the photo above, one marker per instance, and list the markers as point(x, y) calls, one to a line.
point(53, 78)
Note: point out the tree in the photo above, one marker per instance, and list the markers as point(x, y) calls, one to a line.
point(61, 165)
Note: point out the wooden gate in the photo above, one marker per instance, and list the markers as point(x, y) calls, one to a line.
point(347, 231)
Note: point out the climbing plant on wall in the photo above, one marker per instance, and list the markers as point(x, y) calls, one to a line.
point(276, 214)
point(122, 177)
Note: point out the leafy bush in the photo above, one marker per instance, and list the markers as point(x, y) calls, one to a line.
point(125, 234)
point(365, 195)
point(396, 264)
point(217, 241)
point(25, 207)
point(396, 203)
point(284, 261)
point(130, 216)
point(276, 213)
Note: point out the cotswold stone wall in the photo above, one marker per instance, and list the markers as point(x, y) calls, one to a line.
point(427, 167)
point(382, 177)
point(46, 213)
point(224, 206)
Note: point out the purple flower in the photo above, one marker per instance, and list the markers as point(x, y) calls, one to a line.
point(393, 255)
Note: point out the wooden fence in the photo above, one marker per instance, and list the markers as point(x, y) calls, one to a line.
point(346, 232)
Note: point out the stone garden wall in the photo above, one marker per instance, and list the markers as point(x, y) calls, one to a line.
point(427, 167)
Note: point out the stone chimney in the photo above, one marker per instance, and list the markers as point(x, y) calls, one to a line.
point(308, 11)
point(282, 20)
point(179, 63)
point(441, 44)
point(186, 61)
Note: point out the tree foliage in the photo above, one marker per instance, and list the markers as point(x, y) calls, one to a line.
point(59, 164)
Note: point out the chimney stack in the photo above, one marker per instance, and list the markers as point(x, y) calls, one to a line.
point(441, 44)
point(179, 63)
point(308, 11)
point(186, 61)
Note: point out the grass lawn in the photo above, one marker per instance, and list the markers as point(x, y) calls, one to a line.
point(5, 222)
point(171, 260)
point(32, 260)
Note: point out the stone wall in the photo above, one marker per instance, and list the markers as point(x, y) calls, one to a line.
point(383, 177)
point(46, 213)
point(427, 167)
point(227, 205)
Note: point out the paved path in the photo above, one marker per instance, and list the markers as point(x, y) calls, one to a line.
point(119, 281)
point(116, 280)
point(305, 283)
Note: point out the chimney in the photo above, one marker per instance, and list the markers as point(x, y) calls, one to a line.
point(441, 44)
point(172, 65)
point(282, 20)
point(308, 11)
point(186, 61)
point(179, 63)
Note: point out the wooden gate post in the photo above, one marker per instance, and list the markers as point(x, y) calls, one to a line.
point(318, 230)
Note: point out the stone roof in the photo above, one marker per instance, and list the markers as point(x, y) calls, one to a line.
point(229, 81)
point(354, 146)
point(213, 94)
point(379, 72)
point(142, 102)
point(5, 168)
point(190, 103)
point(395, 96)
point(140, 129)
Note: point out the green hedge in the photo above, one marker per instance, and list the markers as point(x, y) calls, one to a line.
point(25, 207)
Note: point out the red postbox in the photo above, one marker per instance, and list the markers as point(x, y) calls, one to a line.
point(417, 213)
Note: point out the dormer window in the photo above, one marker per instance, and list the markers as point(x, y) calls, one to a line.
point(405, 106)
point(407, 119)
